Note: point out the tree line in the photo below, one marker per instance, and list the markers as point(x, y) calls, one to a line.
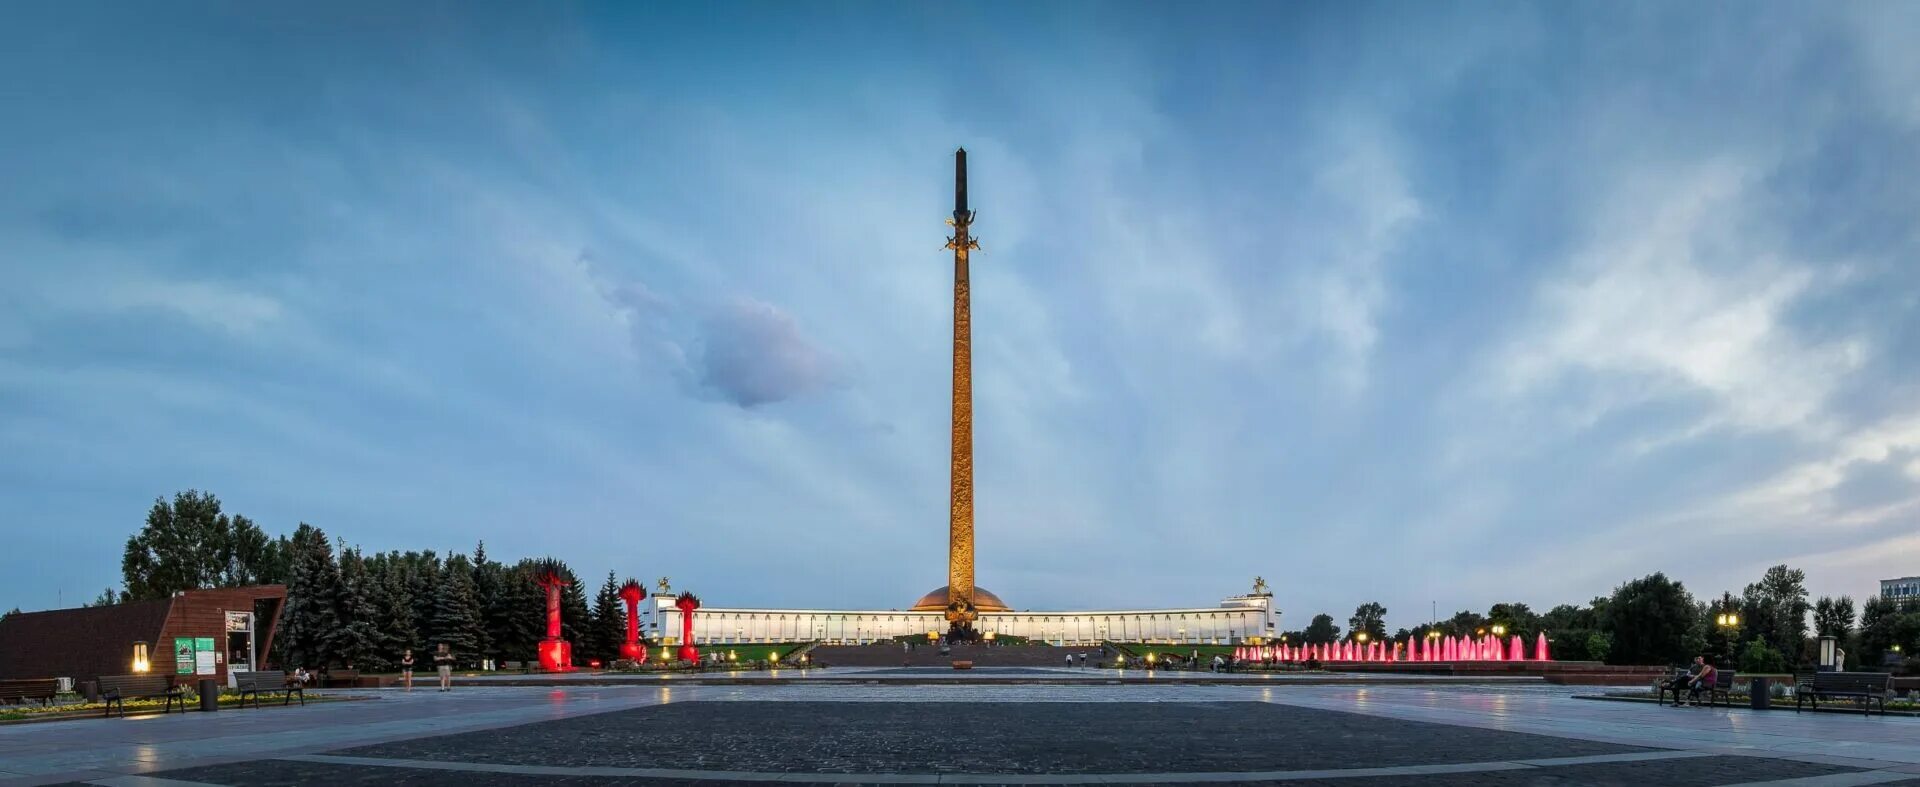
point(1655, 620)
point(346, 608)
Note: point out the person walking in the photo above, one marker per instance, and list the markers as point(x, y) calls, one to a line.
point(443, 660)
point(406, 668)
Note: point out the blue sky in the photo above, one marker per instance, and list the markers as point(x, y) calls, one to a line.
point(1423, 305)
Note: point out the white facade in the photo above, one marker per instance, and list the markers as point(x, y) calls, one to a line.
point(1904, 589)
point(1236, 620)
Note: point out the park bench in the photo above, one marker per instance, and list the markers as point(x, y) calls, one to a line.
point(1723, 684)
point(1721, 687)
point(1864, 686)
point(117, 689)
point(23, 690)
point(254, 684)
point(347, 678)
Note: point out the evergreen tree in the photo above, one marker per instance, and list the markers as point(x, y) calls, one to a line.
point(486, 591)
point(397, 633)
point(456, 613)
point(310, 616)
point(575, 619)
point(609, 622)
point(356, 642)
point(523, 613)
point(423, 591)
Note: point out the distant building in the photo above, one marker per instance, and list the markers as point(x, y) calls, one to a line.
point(1904, 590)
point(195, 634)
point(1240, 619)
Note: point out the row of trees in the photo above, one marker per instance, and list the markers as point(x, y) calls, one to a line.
point(346, 608)
point(1655, 620)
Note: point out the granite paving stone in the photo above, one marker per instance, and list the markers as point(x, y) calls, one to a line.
point(961, 737)
point(1691, 772)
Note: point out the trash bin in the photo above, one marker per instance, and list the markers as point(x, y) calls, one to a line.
point(209, 695)
point(1760, 693)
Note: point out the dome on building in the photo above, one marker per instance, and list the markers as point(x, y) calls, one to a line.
point(983, 601)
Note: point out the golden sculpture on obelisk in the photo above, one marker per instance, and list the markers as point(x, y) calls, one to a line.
point(961, 601)
point(960, 607)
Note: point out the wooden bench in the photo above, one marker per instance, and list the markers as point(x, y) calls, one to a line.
point(1721, 687)
point(1864, 686)
point(24, 690)
point(117, 689)
point(347, 678)
point(1682, 681)
point(254, 684)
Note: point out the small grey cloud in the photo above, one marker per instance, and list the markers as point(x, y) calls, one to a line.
point(751, 353)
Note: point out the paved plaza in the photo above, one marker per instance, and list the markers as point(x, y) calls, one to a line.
point(895, 729)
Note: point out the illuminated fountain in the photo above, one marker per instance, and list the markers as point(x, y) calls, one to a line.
point(632, 650)
point(556, 654)
point(687, 603)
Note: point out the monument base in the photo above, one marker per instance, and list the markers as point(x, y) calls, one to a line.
point(556, 655)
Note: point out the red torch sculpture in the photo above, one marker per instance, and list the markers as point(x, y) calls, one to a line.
point(556, 654)
point(631, 649)
point(687, 602)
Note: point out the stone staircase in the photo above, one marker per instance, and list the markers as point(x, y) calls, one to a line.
point(891, 655)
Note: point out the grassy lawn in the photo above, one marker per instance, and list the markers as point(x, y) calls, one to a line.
point(760, 651)
point(1207, 652)
point(134, 707)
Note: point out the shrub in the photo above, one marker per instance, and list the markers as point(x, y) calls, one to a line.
point(1761, 657)
point(1599, 644)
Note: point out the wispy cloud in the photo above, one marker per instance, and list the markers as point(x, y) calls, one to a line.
point(1477, 305)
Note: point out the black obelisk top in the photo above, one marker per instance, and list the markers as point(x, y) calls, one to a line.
point(960, 183)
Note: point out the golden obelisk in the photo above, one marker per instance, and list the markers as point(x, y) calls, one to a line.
point(961, 610)
point(960, 599)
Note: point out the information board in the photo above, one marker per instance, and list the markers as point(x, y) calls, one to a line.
point(203, 656)
point(194, 656)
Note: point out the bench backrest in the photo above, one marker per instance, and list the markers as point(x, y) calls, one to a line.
point(1723, 679)
point(1852, 681)
point(131, 685)
point(29, 687)
point(266, 679)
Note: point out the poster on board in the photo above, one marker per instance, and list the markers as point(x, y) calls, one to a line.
point(183, 659)
point(203, 653)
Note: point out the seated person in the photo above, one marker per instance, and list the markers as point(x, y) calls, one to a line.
point(1682, 679)
point(1703, 676)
